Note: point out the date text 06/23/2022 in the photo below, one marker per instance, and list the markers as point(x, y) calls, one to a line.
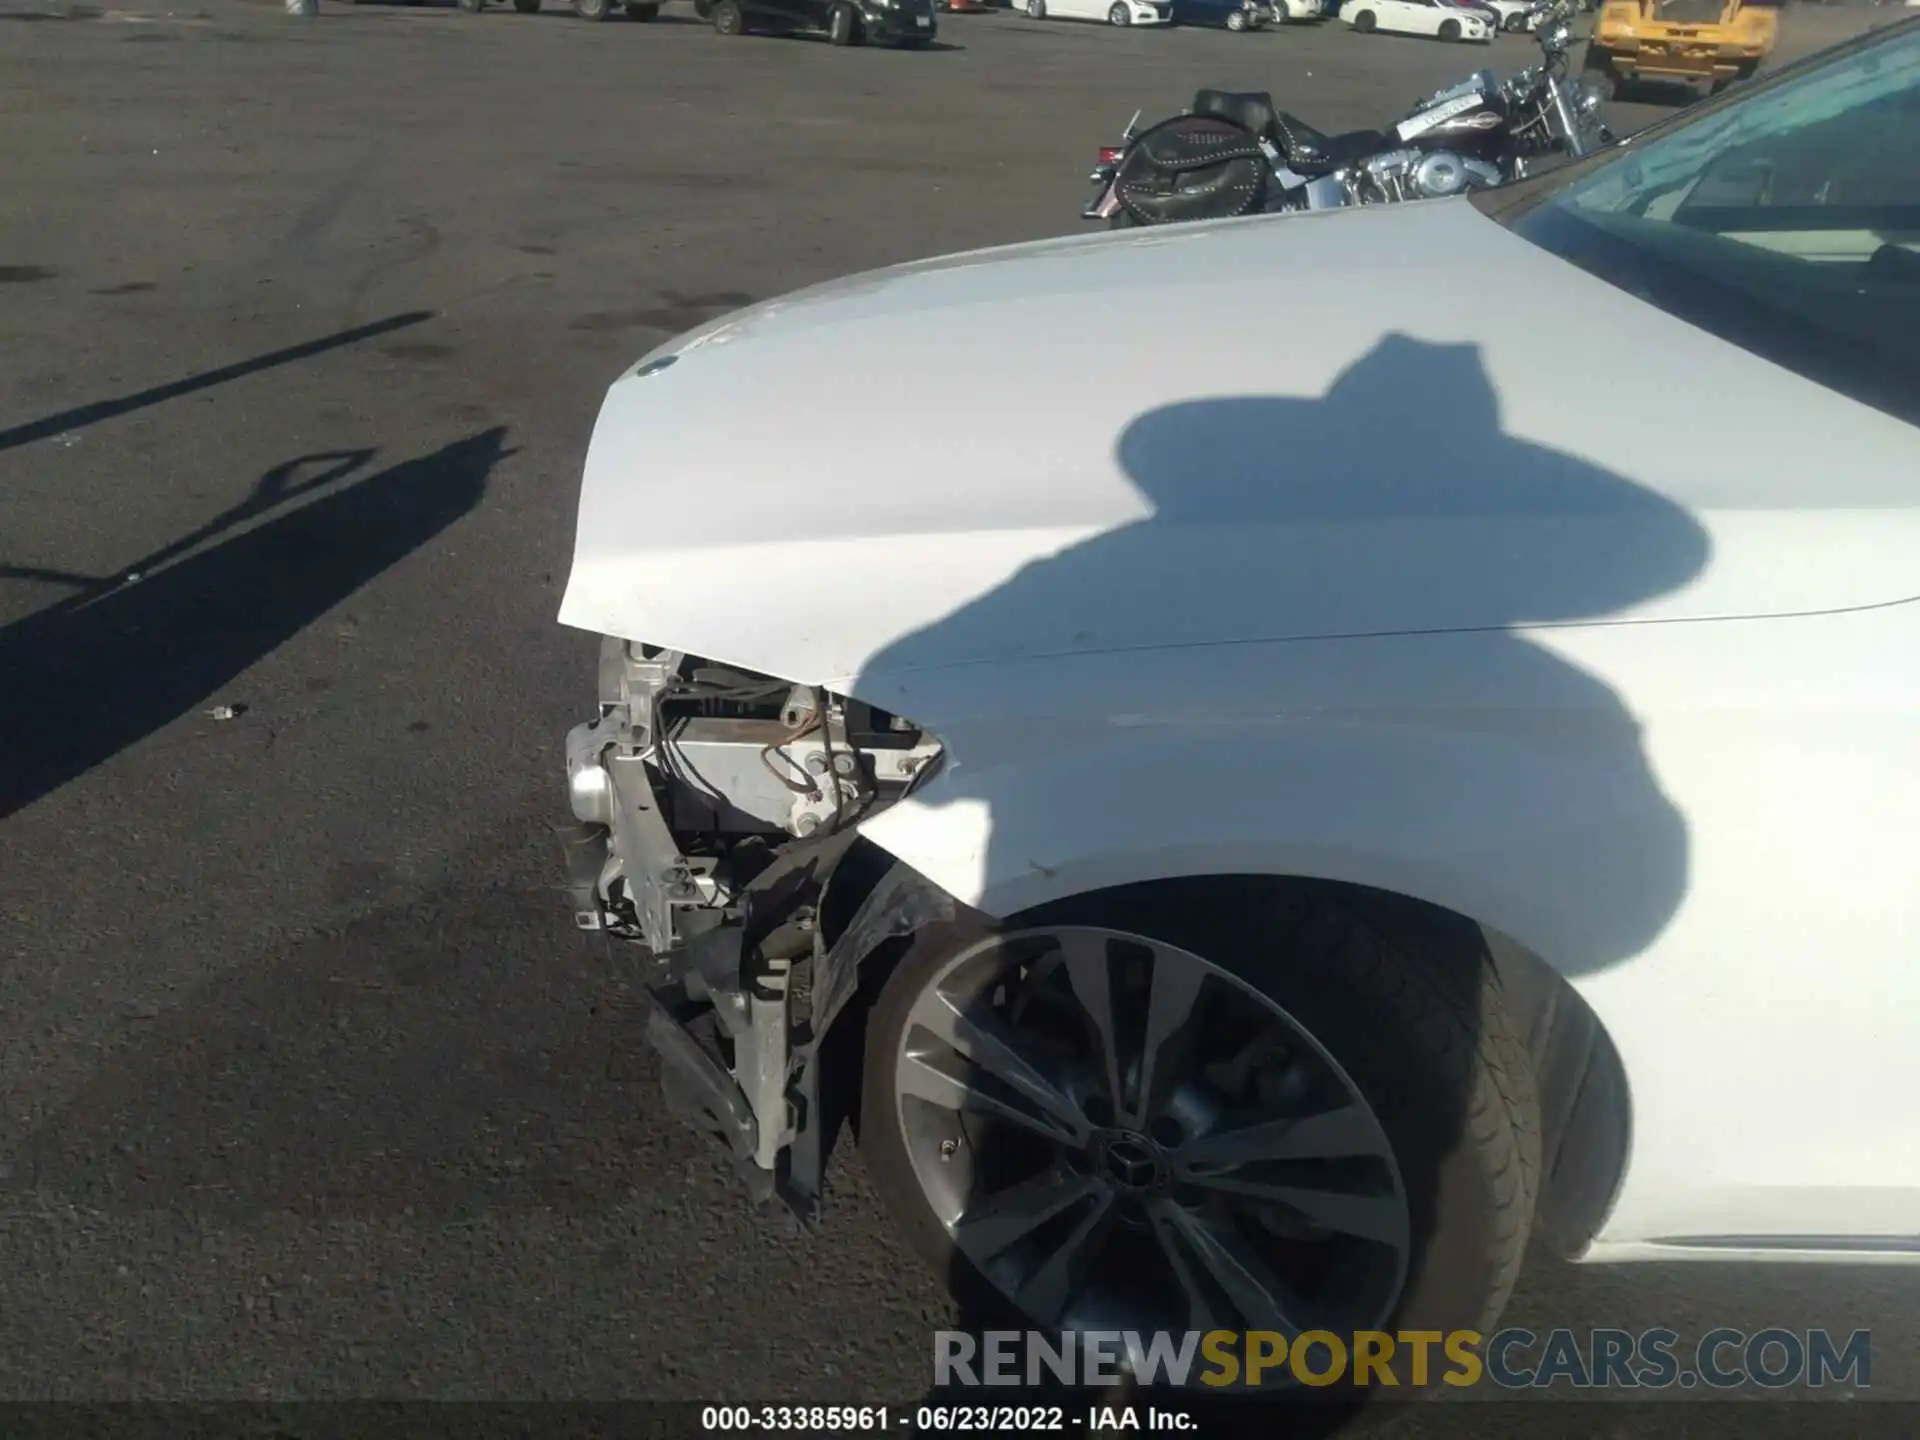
point(941, 1419)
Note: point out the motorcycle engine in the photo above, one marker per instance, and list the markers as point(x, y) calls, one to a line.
point(1429, 175)
point(1445, 173)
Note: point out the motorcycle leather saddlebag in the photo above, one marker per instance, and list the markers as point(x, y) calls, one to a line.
point(1192, 167)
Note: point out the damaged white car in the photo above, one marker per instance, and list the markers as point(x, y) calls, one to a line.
point(1400, 766)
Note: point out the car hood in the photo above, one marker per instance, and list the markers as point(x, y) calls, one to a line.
point(1368, 422)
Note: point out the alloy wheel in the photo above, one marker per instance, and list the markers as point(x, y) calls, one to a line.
point(1119, 1133)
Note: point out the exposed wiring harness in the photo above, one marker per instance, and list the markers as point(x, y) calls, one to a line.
point(717, 683)
point(711, 682)
point(817, 718)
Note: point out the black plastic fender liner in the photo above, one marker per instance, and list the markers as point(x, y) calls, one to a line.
point(900, 903)
point(699, 1091)
point(704, 1082)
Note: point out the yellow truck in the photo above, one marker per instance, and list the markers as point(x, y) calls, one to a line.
point(1711, 41)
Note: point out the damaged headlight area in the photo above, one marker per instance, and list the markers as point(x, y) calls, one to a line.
point(712, 805)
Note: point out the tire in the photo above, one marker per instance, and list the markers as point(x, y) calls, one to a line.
point(1399, 1003)
point(1450, 30)
point(595, 10)
point(642, 11)
point(1036, 9)
point(844, 26)
point(1119, 15)
point(1514, 24)
point(1364, 22)
point(472, 7)
point(728, 18)
point(1237, 21)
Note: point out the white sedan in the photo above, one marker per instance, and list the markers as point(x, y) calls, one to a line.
point(1266, 835)
point(1114, 12)
point(1514, 15)
point(1416, 17)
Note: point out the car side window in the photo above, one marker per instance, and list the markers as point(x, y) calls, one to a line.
point(1788, 224)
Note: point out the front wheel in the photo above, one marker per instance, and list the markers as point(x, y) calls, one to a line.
point(843, 25)
point(728, 19)
point(592, 9)
point(1364, 22)
point(1212, 1105)
point(1036, 9)
point(1237, 21)
point(1450, 30)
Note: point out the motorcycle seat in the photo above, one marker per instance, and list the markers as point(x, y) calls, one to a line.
point(1251, 110)
point(1304, 148)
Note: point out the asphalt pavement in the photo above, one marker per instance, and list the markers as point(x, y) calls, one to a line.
point(307, 1089)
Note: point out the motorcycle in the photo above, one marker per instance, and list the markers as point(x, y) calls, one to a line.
point(1236, 154)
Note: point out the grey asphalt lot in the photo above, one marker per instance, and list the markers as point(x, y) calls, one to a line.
point(307, 1090)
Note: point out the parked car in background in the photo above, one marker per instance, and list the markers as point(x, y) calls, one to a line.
point(1482, 8)
point(904, 23)
point(641, 10)
point(1416, 17)
point(1510, 16)
point(1236, 15)
point(1114, 12)
point(1285, 12)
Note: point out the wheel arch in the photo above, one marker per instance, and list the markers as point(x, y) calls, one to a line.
point(875, 902)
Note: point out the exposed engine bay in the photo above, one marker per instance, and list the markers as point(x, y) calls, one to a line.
point(713, 804)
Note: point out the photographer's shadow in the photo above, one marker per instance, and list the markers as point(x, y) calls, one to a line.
point(1372, 559)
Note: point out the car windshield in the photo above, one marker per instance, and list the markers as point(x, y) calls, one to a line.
point(1785, 220)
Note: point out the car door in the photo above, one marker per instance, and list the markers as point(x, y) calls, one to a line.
point(1422, 17)
point(1406, 17)
point(773, 14)
point(806, 14)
